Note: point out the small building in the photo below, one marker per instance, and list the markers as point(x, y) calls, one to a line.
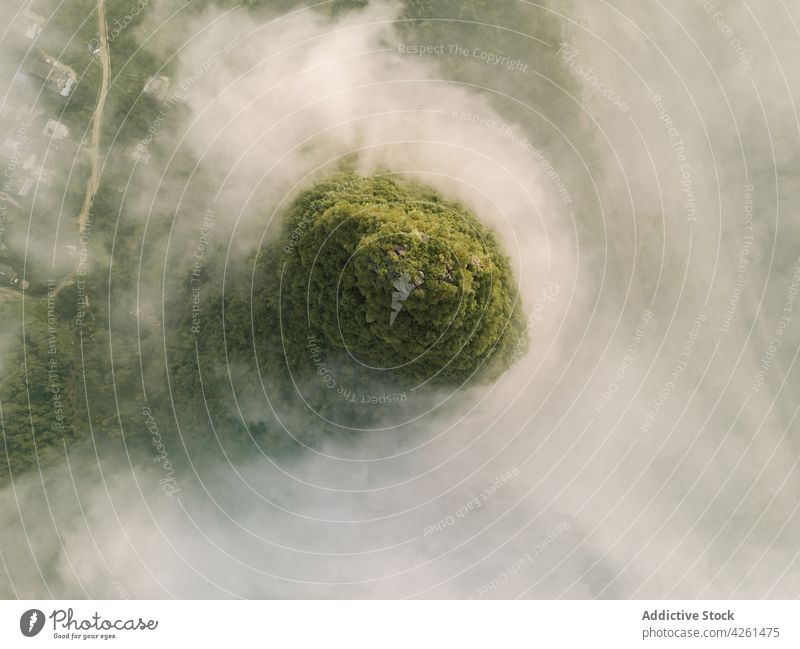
point(9, 277)
point(57, 76)
point(55, 130)
point(44, 176)
point(30, 162)
point(157, 86)
point(22, 185)
point(29, 24)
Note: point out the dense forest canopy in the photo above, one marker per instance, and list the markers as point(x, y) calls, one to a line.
point(397, 277)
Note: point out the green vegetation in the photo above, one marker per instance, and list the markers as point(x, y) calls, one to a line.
point(93, 357)
point(396, 277)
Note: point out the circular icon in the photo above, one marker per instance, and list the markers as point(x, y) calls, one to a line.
point(31, 622)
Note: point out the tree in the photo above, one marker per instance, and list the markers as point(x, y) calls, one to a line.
point(392, 276)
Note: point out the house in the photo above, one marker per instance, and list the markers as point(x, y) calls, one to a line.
point(30, 161)
point(58, 76)
point(21, 185)
point(9, 277)
point(55, 130)
point(29, 23)
point(157, 87)
point(44, 176)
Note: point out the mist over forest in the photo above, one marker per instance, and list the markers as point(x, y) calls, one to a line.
point(366, 299)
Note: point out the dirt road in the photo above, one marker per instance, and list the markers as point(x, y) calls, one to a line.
point(97, 119)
